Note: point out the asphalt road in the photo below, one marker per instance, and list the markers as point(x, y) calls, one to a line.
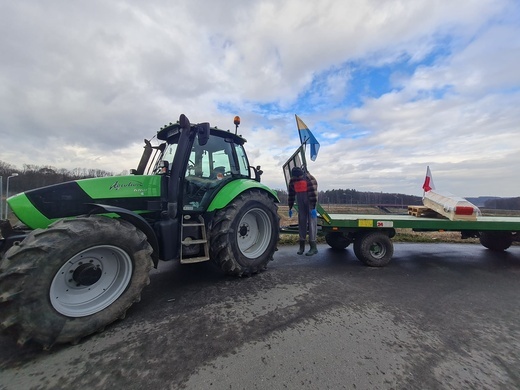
point(439, 316)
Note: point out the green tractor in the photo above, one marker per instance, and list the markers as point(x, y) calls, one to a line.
point(83, 251)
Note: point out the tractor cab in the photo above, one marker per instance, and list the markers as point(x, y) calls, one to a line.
point(201, 169)
point(211, 166)
point(204, 161)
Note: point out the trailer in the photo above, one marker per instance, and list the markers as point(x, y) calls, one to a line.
point(371, 234)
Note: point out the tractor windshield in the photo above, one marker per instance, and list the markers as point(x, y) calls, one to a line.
point(210, 167)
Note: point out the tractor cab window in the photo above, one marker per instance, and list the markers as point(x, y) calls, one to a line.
point(169, 153)
point(209, 168)
point(167, 156)
point(158, 160)
point(243, 164)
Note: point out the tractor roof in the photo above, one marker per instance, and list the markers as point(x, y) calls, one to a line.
point(174, 128)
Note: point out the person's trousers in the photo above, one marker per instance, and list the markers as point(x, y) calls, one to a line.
point(307, 224)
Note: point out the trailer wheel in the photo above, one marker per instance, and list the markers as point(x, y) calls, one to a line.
point(374, 249)
point(72, 279)
point(337, 240)
point(496, 241)
point(244, 235)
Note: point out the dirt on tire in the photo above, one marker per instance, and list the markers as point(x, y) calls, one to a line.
point(28, 270)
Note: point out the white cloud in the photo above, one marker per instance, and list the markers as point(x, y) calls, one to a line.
point(83, 83)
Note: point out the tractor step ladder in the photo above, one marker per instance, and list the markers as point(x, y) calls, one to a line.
point(187, 221)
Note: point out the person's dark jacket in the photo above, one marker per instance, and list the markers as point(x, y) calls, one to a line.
point(312, 190)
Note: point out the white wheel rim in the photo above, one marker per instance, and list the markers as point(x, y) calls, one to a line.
point(254, 233)
point(91, 281)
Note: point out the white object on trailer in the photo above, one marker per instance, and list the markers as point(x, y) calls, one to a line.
point(453, 207)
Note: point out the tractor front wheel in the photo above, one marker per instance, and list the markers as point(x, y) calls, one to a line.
point(244, 235)
point(72, 279)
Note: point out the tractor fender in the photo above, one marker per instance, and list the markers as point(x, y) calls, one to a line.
point(136, 220)
point(231, 190)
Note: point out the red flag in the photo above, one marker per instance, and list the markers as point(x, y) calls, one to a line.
point(428, 181)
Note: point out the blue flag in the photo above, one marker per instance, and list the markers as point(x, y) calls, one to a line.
point(307, 138)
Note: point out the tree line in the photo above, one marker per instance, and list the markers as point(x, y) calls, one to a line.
point(34, 176)
point(354, 197)
point(503, 203)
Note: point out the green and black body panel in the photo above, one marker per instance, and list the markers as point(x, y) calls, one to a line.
point(40, 207)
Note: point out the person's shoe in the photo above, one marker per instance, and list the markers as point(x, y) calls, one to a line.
point(302, 247)
point(313, 249)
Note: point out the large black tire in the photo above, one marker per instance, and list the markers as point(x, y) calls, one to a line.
point(496, 241)
point(72, 279)
point(244, 235)
point(337, 240)
point(374, 249)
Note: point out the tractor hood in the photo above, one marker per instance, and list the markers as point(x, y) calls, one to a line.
point(39, 207)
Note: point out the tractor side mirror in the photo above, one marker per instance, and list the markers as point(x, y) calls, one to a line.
point(257, 172)
point(203, 133)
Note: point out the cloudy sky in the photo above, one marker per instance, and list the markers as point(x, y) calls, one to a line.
point(387, 87)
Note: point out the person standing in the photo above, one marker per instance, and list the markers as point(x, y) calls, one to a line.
point(303, 188)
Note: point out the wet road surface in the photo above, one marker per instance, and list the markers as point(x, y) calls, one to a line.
point(438, 316)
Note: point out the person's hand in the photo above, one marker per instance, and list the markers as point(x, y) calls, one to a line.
point(290, 213)
point(314, 213)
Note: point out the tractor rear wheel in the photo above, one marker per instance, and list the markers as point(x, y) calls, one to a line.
point(72, 279)
point(244, 235)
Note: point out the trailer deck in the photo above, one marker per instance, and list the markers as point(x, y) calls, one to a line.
point(397, 221)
